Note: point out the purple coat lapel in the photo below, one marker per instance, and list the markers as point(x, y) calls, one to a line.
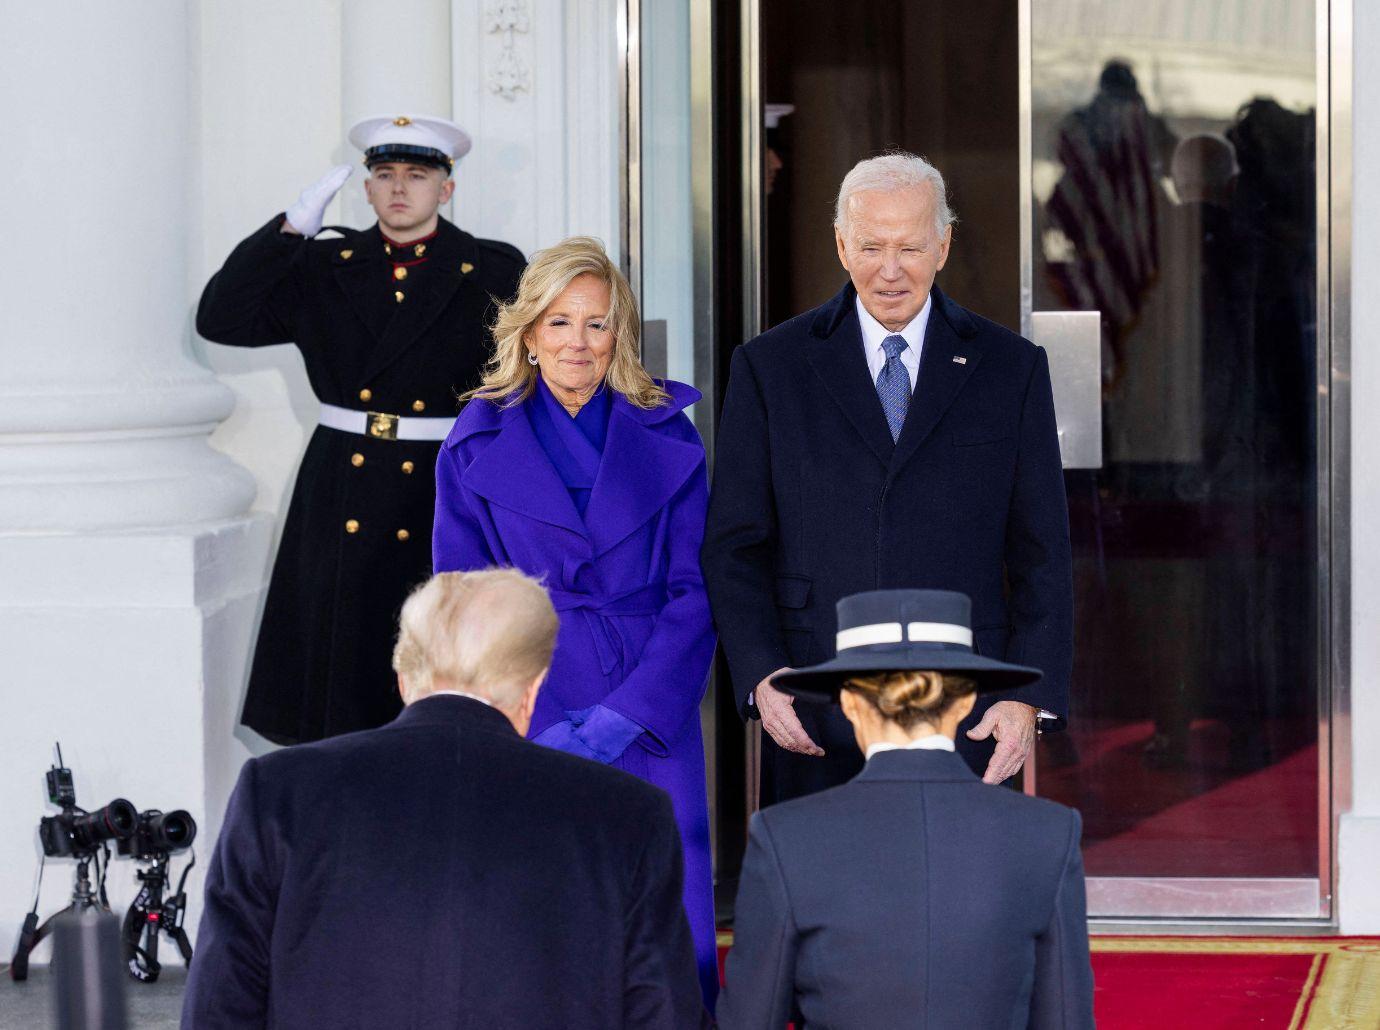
point(514, 472)
point(621, 502)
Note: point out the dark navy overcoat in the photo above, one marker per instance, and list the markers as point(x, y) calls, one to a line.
point(442, 872)
point(635, 630)
point(914, 896)
point(813, 501)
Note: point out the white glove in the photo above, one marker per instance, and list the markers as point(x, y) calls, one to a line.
point(306, 214)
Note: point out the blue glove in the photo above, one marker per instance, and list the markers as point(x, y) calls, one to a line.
point(604, 732)
point(561, 737)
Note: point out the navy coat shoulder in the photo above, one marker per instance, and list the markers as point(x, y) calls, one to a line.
point(812, 501)
point(916, 896)
point(442, 872)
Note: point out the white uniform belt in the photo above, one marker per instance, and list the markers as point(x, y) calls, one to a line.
point(383, 426)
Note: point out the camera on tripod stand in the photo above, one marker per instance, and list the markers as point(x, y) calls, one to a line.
point(159, 834)
point(151, 836)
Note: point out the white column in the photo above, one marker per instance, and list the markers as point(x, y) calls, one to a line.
point(129, 574)
point(395, 59)
point(103, 417)
point(1359, 858)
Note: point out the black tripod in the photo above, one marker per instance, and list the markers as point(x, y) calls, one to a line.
point(151, 913)
point(83, 898)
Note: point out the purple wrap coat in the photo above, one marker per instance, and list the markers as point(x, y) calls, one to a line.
point(635, 630)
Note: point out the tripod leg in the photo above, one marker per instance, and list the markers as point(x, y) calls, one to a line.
point(29, 936)
point(184, 945)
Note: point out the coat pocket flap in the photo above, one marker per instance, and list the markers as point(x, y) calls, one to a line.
point(792, 591)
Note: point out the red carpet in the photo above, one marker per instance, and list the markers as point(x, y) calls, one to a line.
point(1225, 983)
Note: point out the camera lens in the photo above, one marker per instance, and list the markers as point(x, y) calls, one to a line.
point(169, 831)
point(115, 821)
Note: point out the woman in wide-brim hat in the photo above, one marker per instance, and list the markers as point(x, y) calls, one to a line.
point(915, 894)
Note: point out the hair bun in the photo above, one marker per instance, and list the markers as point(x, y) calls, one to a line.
point(909, 691)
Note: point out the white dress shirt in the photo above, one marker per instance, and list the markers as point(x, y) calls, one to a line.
point(873, 333)
point(934, 742)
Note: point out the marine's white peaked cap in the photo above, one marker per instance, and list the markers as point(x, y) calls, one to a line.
point(403, 131)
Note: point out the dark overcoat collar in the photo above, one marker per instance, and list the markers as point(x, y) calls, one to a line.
point(643, 467)
point(452, 258)
point(453, 710)
point(836, 352)
point(930, 765)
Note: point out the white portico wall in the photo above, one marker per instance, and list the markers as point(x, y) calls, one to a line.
point(1359, 857)
point(129, 572)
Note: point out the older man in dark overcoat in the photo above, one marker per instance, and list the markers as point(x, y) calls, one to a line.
point(441, 871)
point(888, 439)
point(392, 322)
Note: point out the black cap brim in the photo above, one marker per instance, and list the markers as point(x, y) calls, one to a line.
point(823, 682)
point(407, 154)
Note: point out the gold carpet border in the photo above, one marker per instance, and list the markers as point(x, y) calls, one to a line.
point(1344, 978)
point(1130, 943)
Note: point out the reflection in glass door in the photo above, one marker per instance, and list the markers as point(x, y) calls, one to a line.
point(1171, 189)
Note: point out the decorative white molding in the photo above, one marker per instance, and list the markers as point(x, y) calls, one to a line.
point(507, 74)
point(546, 167)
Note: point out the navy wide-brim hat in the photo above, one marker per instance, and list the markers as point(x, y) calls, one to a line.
point(903, 631)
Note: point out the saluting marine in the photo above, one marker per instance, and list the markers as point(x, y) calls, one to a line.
point(392, 322)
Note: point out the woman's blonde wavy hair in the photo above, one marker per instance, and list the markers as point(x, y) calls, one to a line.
point(910, 698)
point(510, 378)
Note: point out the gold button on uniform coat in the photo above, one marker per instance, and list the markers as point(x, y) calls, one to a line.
point(366, 395)
point(400, 273)
point(419, 406)
point(398, 296)
point(352, 525)
point(407, 467)
point(356, 459)
point(403, 534)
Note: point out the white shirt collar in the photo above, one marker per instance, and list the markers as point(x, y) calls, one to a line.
point(458, 693)
point(873, 333)
point(934, 742)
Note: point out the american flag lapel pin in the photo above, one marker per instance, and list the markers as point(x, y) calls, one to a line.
point(959, 359)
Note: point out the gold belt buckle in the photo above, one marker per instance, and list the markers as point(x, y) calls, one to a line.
point(383, 426)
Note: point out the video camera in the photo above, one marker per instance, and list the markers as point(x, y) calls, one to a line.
point(75, 832)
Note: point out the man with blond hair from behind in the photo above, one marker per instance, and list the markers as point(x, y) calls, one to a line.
point(441, 871)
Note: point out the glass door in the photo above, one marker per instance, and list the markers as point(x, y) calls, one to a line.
point(1138, 190)
point(1169, 190)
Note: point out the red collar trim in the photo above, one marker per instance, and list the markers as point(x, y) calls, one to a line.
point(410, 243)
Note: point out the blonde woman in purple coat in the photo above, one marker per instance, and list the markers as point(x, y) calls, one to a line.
point(572, 464)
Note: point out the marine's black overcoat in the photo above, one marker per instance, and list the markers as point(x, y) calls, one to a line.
point(321, 666)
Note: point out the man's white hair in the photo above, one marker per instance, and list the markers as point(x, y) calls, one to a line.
point(489, 632)
point(891, 173)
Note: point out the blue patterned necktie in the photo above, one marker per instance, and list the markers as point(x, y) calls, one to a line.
point(893, 385)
